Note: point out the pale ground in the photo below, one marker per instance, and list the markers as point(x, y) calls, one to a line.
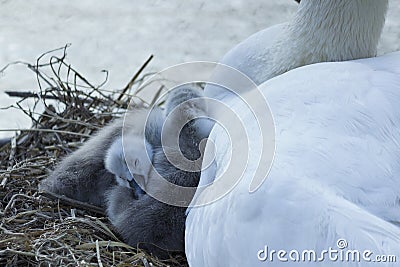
point(119, 35)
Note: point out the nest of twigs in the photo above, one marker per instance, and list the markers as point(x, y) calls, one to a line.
point(37, 229)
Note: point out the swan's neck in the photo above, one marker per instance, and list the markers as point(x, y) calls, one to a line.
point(330, 30)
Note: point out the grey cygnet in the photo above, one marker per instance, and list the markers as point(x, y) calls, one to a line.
point(147, 222)
point(82, 175)
point(134, 148)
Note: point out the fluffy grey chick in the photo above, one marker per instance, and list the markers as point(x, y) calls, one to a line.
point(82, 175)
point(147, 222)
point(115, 163)
point(141, 135)
point(191, 106)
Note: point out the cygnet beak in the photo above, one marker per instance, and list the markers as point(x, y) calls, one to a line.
point(135, 185)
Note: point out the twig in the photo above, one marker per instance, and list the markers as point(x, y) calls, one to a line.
point(157, 96)
point(44, 130)
point(13, 148)
point(29, 95)
point(104, 244)
point(131, 82)
point(145, 262)
point(12, 251)
point(11, 203)
point(73, 202)
point(98, 254)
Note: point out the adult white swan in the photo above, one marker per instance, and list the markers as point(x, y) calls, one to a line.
point(336, 170)
point(335, 174)
point(320, 31)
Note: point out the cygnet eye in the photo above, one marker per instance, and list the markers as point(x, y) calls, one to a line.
point(136, 162)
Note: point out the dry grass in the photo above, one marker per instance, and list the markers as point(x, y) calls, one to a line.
point(38, 230)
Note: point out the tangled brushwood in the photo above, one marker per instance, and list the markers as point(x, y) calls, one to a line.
point(38, 228)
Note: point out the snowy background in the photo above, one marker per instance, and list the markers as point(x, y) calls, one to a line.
point(119, 35)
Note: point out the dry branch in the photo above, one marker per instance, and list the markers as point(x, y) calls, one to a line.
point(73, 202)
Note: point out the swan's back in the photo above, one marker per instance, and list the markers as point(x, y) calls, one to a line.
point(335, 173)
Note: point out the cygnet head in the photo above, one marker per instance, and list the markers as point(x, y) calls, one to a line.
point(187, 104)
point(130, 153)
point(189, 99)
